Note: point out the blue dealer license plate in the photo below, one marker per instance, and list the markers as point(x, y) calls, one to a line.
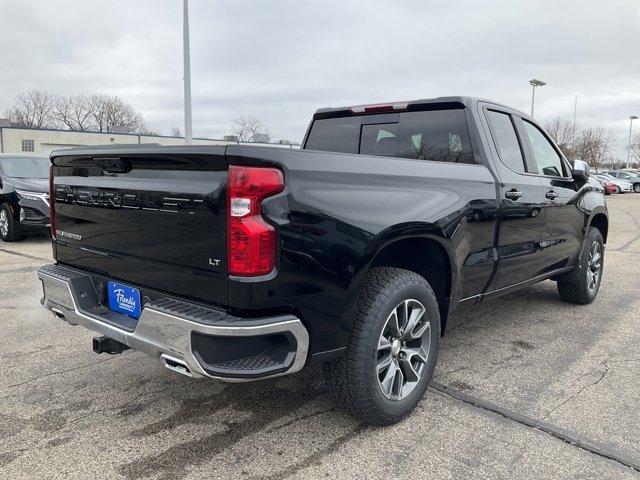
point(124, 299)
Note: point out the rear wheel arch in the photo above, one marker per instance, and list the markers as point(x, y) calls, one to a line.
point(428, 258)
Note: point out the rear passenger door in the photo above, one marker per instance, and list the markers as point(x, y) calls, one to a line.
point(564, 221)
point(523, 203)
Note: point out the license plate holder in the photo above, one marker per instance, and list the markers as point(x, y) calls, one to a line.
point(124, 299)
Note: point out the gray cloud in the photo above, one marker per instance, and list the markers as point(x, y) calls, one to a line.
point(280, 60)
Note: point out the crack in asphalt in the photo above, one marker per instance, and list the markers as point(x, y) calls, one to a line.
point(21, 270)
point(622, 248)
point(315, 458)
point(57, 372)
point(635, 220)
point(25, 255)
point(557, 432)
point(579, 392)
point(10, 455)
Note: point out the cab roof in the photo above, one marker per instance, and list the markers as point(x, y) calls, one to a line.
point(437, 103)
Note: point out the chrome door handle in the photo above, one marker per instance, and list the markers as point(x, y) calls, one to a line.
point(551, 195)
point(513, 194)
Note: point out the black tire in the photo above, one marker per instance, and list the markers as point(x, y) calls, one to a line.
point(354, 379)
point(9, 228)
point(636, 187)
point(581, 289)
point(618, 189)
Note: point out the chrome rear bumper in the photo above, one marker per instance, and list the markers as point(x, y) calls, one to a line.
point(169, 328)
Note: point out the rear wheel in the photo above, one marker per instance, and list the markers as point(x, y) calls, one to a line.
point(618, 189)
point(9, 228)
point(392, 350)
point(636, 187)
point(585, 281)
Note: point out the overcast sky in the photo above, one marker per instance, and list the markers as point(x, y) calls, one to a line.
point(281, 60)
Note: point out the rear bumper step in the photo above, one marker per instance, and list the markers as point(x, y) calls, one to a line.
point(191, 339)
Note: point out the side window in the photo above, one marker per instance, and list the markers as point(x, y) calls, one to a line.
point(547, 159)
point(506, 140)
point(334, 135)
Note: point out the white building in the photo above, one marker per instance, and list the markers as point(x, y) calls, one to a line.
point(37, 140)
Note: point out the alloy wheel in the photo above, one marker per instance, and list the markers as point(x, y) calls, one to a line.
point(594, 266)
point(4, 223)
point(403, 349)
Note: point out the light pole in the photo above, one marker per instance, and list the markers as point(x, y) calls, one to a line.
point(631, 119)
point(535, 83)
point(187, 73)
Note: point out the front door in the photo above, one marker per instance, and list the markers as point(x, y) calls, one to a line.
point(564, 220)
point(523, 205)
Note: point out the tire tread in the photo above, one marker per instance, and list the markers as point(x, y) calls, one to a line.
point(345, 374)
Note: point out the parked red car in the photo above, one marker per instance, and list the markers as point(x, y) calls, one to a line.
point(608, 186)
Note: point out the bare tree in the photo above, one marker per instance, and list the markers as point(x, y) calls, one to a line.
point(74, 112)
point(565, 134)
point(246, 128)
point(32, 109)
point(149, 132)
point(594, 145)
point(111, 111)
point(176, 132)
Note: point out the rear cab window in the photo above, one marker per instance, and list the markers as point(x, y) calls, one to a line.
point(506, 140)
point(434, 135)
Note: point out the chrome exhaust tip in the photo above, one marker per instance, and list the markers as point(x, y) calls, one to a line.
point(176, 365)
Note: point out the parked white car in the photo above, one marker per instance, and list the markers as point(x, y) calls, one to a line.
point(622, 185)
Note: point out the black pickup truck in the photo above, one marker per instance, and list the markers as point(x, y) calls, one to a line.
point(242, 262)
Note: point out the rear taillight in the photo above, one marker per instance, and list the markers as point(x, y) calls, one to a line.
point(251, 241)
point(52, 203)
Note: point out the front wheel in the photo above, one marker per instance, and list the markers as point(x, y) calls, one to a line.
point(9, 228)
point(392, 350)
point(636, 187)
point(585, 281)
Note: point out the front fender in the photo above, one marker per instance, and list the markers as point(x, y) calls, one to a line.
point(599, 210)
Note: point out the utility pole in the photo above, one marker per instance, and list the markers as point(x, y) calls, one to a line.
point(534, 83)
point(575, 111)
point(631, 119)
point(188, 138)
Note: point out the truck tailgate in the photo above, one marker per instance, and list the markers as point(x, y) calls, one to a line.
point(153, 217)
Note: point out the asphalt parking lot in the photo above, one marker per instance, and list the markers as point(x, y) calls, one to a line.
point(526, 387)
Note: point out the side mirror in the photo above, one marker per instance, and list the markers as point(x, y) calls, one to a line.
point(581, 171)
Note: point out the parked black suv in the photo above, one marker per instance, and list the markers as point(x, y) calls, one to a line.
point(242, 262)
point(24, 195)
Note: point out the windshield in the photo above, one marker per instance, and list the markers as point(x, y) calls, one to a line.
point(26, 167)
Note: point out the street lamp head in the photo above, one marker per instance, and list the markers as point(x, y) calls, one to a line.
point(536, 83)
point(633, 117)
